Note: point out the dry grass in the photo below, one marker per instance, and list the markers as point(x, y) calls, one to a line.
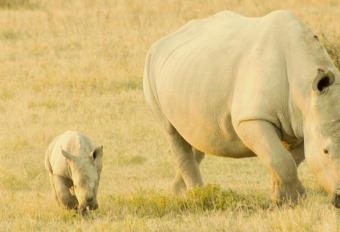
point(79, 65)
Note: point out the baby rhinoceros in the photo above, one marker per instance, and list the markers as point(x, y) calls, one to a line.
point(74, 164)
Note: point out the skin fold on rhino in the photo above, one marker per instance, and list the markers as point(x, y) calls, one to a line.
point(74, 164)
point(234, 86)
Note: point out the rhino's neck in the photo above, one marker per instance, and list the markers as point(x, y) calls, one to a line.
point(304, 55)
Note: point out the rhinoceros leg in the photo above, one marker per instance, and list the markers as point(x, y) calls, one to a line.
point(298, 154)
point(185, 160)
point(263, 139)
point(178, 184)
point(53, 188)
point(62, 190)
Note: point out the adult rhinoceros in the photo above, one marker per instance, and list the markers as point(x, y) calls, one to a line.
point(237, 87)
point(74, 164)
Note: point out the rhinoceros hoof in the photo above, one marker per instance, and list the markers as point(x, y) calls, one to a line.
point(290, 194)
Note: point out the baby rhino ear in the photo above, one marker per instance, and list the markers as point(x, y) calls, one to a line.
point(97, 153)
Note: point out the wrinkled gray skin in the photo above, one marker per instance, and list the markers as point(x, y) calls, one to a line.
point(74, 164)
point(236, 87)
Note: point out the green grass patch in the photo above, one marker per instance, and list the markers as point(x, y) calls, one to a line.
point(132, 83)
point(208, 198)
point(332, 48)
point(130, 160)
point(19, 4)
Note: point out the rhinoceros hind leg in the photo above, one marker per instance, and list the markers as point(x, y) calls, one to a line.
point(178, 184)
point(188, 170)
point(62, 190)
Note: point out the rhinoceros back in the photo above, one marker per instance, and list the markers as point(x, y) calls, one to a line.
point(213, 73)
point(74, 142)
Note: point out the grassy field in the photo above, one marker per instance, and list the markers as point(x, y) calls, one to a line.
point(78, 65)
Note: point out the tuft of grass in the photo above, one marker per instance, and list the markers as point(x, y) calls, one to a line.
point(10, 180)
point(211, 197)
point(5, 94)
point(129, 84)
point(16, 4)
point(208, 198)
point(69, 216)
point(333, 48)
point(11, 35)
point(125, 160)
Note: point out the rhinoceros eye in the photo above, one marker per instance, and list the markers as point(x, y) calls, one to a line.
point(327, 155)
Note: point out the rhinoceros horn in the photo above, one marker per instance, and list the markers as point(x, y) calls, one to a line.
point(68, 155)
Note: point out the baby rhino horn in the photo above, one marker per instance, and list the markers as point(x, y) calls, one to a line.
point(68, 155)
point(97, 153)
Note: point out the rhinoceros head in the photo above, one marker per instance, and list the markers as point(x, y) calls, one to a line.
point(85, 173)
point(322, 132)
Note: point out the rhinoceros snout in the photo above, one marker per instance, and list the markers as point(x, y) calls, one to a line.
point(336, 200)
point(83, 208)
point(92, 203)
point(93, 206)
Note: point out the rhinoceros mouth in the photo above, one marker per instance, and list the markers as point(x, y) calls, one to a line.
point(93, 207)
point(336, 200)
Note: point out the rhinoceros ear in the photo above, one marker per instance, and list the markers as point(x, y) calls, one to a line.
point(322, 81)
point(97, 153)
point(68, 155)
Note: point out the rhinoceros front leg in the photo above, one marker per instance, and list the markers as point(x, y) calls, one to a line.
point(62, 190)
point(53, 188)
point(298, 154)
point(263, 139)
point(188, 169)
point(178, 184)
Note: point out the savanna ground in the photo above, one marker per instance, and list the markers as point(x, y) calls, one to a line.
point(79, 65)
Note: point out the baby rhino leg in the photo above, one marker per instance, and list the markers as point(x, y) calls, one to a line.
point(62, 189)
